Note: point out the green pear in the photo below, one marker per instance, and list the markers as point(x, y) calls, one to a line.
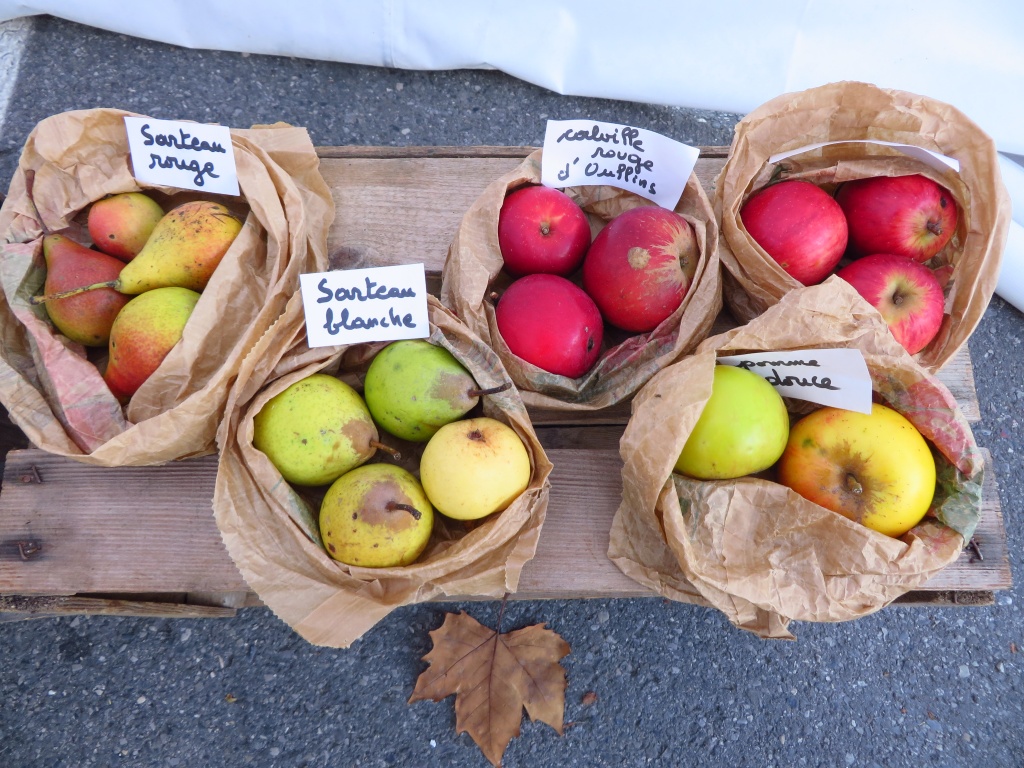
point(413, 388)
point(183, 251)
point(121, 224)
point(142, 335)
point(86, 318)
point(315, 430)
point(376, 516)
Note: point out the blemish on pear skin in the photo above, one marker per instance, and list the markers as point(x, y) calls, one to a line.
point(331, 546)
point(375, 512)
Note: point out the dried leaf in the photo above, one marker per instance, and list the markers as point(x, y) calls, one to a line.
point(494, 676)
point(589, 699)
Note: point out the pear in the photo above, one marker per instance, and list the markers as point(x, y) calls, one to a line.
point(376, 516)
point(474, 467)
point(315, 430)
point(413, 388)
point(87, 318)
point(121, 224)
point(183, 251)
point(142, 335)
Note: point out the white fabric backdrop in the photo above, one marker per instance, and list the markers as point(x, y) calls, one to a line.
point(730, 55)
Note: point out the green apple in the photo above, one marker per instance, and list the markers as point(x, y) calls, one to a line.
point(376, 516)
point(743, 428)
point(315, 430)
point(474, 467)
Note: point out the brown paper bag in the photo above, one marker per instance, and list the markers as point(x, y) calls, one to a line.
point(473, 271)
point(751, 547)
point(52, 391)
point(968, 266)
point(270, 529)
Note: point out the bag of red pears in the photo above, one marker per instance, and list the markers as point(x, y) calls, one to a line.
point(585, 293)
point(774, 509)
point(127, 310)
point(898, 194)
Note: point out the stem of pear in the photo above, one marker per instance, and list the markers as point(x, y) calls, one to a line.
point(396, 455)
point(491, 391)
point(393, 505)
point(37, 300)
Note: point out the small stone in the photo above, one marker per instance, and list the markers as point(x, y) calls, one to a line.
point(850, 758)
point(965, 671)
point(603, 616)
point(399, 86)
point(140, 700)
point(185, 635)
point(406, 131)
point(275, 751)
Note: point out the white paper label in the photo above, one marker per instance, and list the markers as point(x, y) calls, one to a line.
point(586, 152)
point(174, 153)
point(934, 160)
point(835, 377)
point(351, 306)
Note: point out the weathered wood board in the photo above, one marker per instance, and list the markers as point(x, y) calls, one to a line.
point(130, 540)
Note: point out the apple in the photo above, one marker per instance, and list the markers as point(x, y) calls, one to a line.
point(908, 215)
point(552, 323)
point(742, 430)
point(376, 516)
point(905, 292)
point(541, 229)
point(640, 267)
point(874, 469)
point(800, 226)
point(474, 468)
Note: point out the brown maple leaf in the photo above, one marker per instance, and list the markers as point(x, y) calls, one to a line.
point(494, 676)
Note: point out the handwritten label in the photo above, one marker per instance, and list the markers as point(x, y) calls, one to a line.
point(835, 377)
point(352, 306)
point(586, 152)
point(939, 162)
point(175, 153)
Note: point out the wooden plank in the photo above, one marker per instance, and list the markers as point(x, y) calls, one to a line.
point(19, 608)
point(68, 534)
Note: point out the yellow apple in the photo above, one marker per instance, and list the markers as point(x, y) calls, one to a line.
point(376, 516)
point(742, 429)
point(874, 469)
point(474, 467)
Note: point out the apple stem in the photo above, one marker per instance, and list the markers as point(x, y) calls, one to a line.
point(853, 485)
point(897, 298)
point(934, 227)
point(494, 296)
point(491, 391)
point(37, 300)
point(393, 505)
point(545, 229)
point(396, 455)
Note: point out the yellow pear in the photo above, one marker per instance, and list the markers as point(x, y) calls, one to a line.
point(474, 467)
point(376, 516)
point(315, 430)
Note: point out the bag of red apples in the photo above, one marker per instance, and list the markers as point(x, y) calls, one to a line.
point(775, 509)
point(585, 293)
point(353, 480)
point(919, 236)
point(136, 372)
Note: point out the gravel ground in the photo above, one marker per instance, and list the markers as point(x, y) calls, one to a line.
point(674, 684)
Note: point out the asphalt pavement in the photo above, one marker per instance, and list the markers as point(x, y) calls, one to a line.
point(650, 682)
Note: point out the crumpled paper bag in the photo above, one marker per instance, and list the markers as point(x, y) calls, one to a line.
point(52, 390)
point(472, 272)
point(270, 528)
point(968, 267)
point(751, 547)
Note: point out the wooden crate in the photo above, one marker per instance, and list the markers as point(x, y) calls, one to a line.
point(72, 537)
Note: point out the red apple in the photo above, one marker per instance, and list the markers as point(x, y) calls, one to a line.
point(541, 229)
point(640, 266)
point(800, 226)
point(905, 292)
point(909, 215)
point(550, 322)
